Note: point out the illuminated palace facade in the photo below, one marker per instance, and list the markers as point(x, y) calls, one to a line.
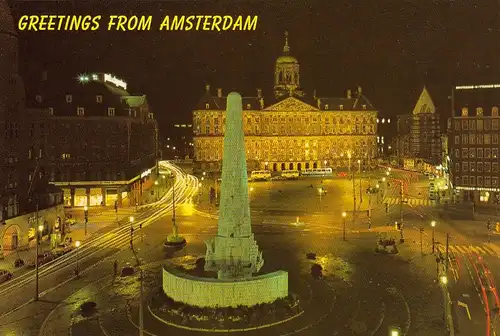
point(293, 131)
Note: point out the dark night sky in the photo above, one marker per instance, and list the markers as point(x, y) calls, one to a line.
point(390, 48)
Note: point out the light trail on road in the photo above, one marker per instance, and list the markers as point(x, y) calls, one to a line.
point(186, 187)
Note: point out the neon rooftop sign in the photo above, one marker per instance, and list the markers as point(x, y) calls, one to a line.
point(116, 81)
point(472, 87)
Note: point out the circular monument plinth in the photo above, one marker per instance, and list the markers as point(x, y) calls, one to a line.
point(204, 304)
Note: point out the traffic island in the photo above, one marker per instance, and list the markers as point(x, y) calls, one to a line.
point(175, 241)
point(386, 246)
point(230, 319)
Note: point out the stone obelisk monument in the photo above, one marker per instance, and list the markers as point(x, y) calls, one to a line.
point(233, 252)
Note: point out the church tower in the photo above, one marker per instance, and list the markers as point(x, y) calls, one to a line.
point(286, 74)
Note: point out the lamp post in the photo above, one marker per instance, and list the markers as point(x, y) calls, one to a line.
point(77, 245)
point(349, 157)
point(86, 217)
point(344, 214)
point(433, 224)
point(402, 239)
point(385, 186)
point(38, 239)
point(156, 187)
point(320, 191)
point(131, 220)
point(360, 191)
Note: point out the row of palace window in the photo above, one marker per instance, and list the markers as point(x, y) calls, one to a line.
point(476, 124)
point(477, 181)
point(479, 139)
point(303, 129)
point(487, 153)
point(290, 145)
point(275, 120)
point(211, 155)
point(477, 167)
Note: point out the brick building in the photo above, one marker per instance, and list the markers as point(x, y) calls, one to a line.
point(99, 142)
point(473, 143)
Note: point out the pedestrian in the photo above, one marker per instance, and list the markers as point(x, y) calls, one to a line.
point(115, 268)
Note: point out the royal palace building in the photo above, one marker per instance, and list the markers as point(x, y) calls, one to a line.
point(290, 131)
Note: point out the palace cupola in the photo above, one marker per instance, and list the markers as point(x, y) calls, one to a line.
point(286, 74)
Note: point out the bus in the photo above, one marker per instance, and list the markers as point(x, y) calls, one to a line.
point(318, 172)
point(290, 174)
point(260, 175)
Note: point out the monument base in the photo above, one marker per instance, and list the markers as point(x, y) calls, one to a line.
point(208, 292)
point(180, 315)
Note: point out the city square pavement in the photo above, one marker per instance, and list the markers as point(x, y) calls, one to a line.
point(362, 293)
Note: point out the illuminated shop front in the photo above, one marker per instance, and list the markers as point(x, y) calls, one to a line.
point(111, 196)
point(80, 198)
point(479, 195)
point(105, 193)
point(67, 197)
point(95, 196)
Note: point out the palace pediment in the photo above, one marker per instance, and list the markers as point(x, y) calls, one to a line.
point(291, 104)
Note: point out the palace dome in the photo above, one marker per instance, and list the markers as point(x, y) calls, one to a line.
point(286, 59)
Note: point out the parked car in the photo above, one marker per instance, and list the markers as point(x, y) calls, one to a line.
point(5, 276)
point(19, 263)
point(42, 259)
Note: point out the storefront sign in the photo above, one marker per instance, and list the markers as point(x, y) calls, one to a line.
point(116, 81)
point(471, 87)
point(146, 173)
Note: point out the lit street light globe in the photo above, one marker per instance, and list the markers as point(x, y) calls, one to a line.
point(156, 182)
point(131, 219)
point(77, 243)
point(85, 208)
point(344, 214)
point(433, 223)
point(40, 228)
point(443, 279)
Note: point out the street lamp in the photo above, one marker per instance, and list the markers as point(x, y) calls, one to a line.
point(38, 239)
point(156, 186)
point(77, 245)
point(394, 332)
point(360, 191)
point(320, 191)
point(344, 214)
point(349, 157)
point(131, 220)
point(443, 279)
point(86, 216)
point(433, 224)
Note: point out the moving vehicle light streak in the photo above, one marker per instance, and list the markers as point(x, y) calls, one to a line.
point(186, 187)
